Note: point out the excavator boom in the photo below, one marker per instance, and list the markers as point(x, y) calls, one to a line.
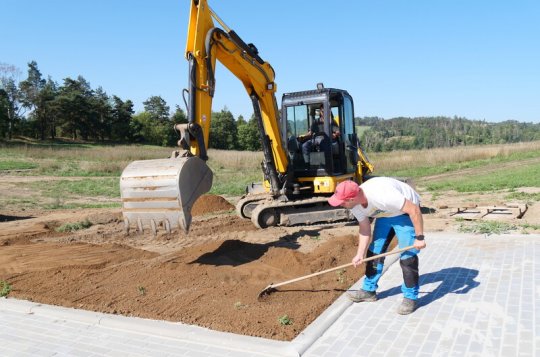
point(207, 44)
point(161, 193)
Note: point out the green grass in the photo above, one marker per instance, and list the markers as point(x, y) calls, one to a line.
point(526, 176)
point(285, 320)
point(421, 171)
point(17, 165)
point(234, 182)
point(65, 194)
point(523, 196)
point(418, 172)
point(76, 226)
point(495, 227)
point(24, 202)
point(60, 204)
point(535, 227)
point(487, 227)
point(234, 170)
point(104, 187)
point(74, 159)
point(66, 168)
point(5, 288)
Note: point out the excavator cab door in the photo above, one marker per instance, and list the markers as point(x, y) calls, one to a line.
point(319, 129)
point(306, 138)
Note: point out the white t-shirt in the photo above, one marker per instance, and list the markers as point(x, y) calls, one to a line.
point(386, 196)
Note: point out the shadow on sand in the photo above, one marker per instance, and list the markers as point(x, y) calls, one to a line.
point(236, 252)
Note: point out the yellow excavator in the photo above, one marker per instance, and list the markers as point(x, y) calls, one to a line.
point(308, 147)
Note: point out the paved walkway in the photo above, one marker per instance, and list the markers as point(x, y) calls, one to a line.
point(480, 296)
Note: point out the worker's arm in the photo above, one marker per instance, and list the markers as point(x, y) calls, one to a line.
point(418, 222)
point(305, 137)
point(364, 237)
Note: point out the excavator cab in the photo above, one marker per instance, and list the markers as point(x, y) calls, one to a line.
point(318, 127)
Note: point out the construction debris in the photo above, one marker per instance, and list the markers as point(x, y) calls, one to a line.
point(506, 211)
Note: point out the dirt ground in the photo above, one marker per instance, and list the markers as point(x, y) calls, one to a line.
point(211, 277)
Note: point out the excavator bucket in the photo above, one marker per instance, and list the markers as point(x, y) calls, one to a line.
point(160, 193)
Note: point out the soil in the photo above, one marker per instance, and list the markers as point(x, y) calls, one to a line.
point(211, 277)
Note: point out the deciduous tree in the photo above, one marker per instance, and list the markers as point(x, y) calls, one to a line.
point(223, 133)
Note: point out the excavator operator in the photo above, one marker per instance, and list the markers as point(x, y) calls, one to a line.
point(315, 138)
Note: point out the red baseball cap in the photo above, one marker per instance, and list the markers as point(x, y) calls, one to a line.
point(345, 190)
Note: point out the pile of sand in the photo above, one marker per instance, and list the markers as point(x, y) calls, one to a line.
point(210, 204)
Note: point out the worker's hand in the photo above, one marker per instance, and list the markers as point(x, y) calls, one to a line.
point(419, 244)
point(357, 260)
point(302, 138)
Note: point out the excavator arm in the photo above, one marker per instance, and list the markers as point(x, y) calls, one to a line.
point(207, 43)
point(161, 193)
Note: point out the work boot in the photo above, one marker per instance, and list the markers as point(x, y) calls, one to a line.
point(406, 307)
point(363, 295)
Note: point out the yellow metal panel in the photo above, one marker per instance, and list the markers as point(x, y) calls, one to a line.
point(257, 78)
point(326, 184)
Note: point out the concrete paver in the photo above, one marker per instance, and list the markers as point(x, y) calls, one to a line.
point(479, 296)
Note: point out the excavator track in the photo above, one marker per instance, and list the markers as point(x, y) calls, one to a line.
point(309, 211)
point(248, 203)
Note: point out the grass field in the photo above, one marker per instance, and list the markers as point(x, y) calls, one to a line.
point(483, 168)
point(94, 170)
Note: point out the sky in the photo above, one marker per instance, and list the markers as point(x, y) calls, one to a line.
point(478, 59)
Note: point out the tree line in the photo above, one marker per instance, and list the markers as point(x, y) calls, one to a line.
point(378, 134)
point(44, 109)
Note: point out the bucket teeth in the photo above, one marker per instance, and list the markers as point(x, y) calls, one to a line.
point(126, 226)
point(153, 226)
point(185, 223)
point(141, 225)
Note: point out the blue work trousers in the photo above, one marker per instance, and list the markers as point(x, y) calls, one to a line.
point(382, 235)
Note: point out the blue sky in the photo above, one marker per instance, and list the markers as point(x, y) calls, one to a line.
point(477, 59)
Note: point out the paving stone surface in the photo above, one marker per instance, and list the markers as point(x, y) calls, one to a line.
point(479, 296)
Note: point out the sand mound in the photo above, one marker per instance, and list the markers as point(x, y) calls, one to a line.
point(209, 204)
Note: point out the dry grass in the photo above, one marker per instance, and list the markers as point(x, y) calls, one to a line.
point(99, 160)
point(236, 160)
point(111, 160)
point(402, 160)
point(89, 152)
point(126, 153)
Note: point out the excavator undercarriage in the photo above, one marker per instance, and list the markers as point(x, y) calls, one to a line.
point(267, 212)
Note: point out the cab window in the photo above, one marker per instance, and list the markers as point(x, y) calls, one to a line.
point(297, 120)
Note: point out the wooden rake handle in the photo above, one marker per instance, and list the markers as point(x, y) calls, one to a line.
point(271, 286)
